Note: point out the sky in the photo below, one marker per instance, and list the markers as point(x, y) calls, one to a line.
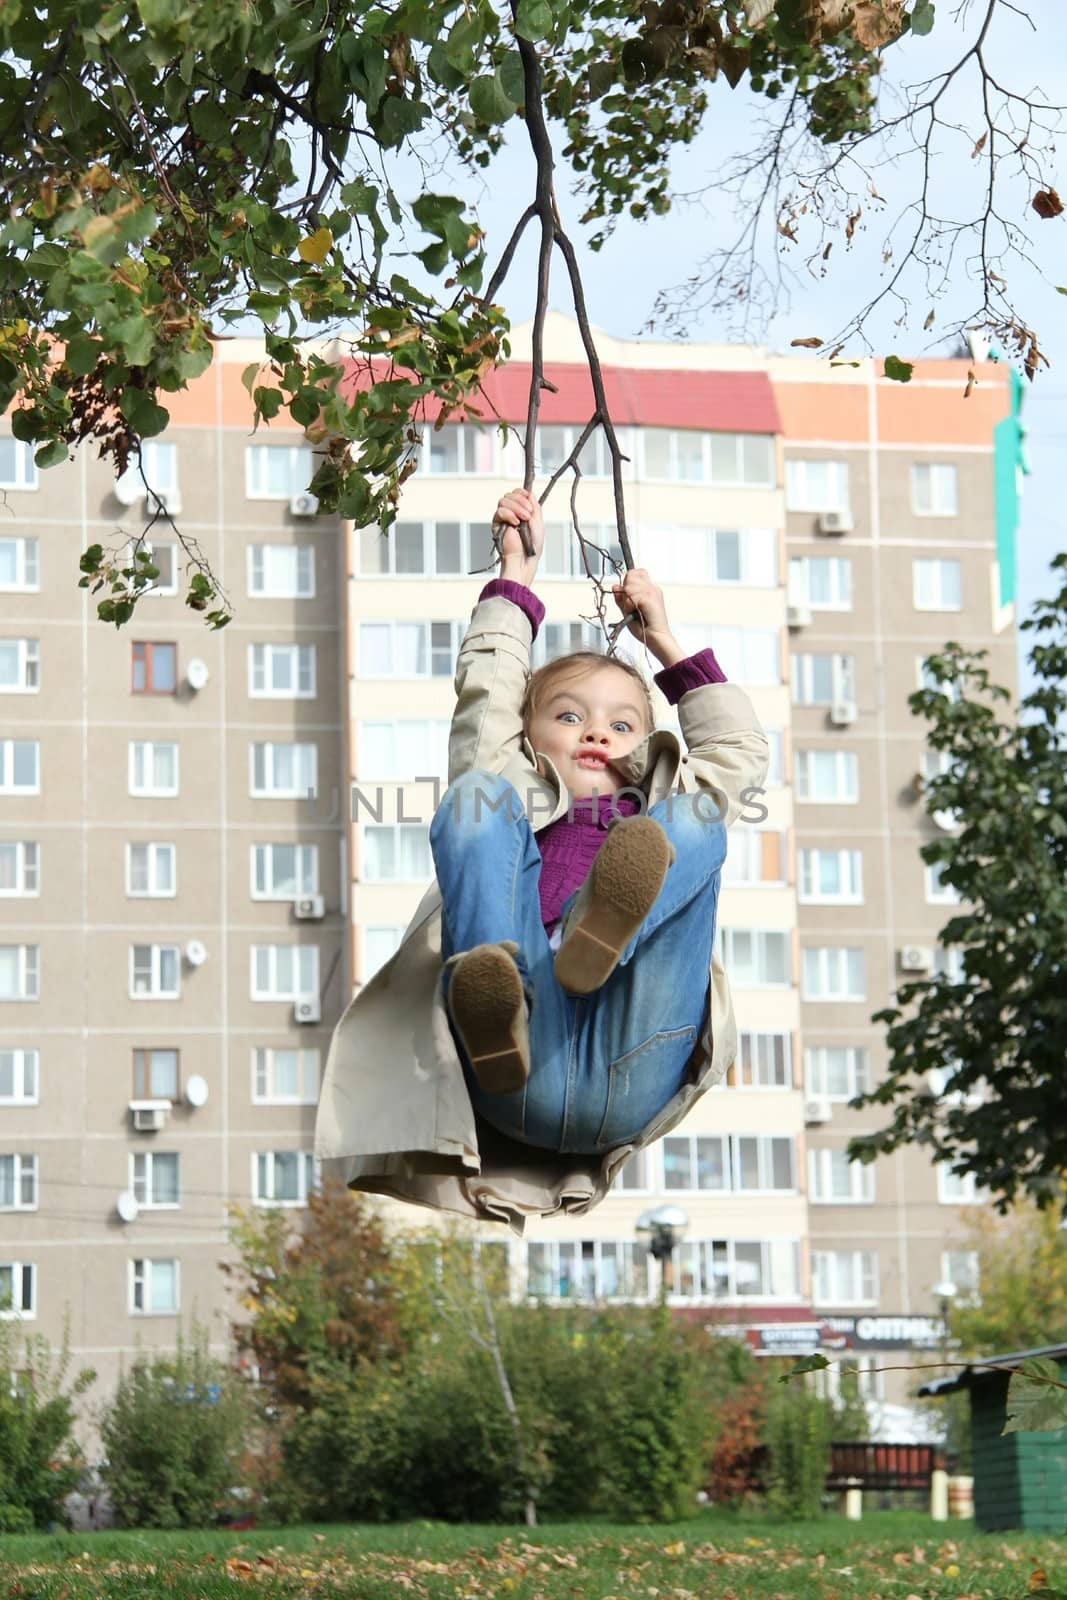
point(622, 279)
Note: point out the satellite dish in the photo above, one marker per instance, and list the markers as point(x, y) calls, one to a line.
point(127, 1206)
point(197, 674)
point(196, 1091)
point(946, 820)
point(129, 487)
point(195, 953)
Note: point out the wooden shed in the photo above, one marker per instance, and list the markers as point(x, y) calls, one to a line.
point(1020, 1479)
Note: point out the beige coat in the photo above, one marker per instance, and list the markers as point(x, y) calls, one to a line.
point(395, 1116)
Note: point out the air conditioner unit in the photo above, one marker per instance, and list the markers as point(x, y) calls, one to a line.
point(916, 958)
point(816, 1111)
point(308, 1010)
point(163, 501)
point(149, 1115)
point(843, 712)
point(798, 616)
point(304, 505)
point(835, 522)
point(310, 909)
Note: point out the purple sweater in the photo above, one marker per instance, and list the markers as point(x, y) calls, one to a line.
point(568, 845)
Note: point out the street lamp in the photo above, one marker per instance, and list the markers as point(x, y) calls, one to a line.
point(945, 1291)
point(659, 1231)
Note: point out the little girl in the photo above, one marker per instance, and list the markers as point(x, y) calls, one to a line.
point(576, 1007)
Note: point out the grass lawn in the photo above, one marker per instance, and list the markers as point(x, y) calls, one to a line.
point(718, 1556)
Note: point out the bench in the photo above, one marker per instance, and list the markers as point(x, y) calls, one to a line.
point(866, 1465)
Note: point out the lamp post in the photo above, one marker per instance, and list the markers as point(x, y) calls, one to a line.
point(945, 1291)
point(659, 1231)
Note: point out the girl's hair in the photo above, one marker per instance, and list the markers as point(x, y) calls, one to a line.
point(574, 666)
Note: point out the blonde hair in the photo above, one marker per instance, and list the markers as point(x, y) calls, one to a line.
point(578, 664)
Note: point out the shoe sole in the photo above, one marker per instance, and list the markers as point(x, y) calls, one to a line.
point(488, 1008)
point(624, 881)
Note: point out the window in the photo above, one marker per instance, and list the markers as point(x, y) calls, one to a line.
point(380, 944)
point(19, 564)
point(18, 469)
point(409, 649)
point(844, 1277)
point(285, 771)
point(735, 1162)
point(828, 777)
point(816, 486)
point(934, 489)
point(763, 1061)
point(820, 680)
point(399, 854)
point(830, 877)
point(154, 1287)
point(285, 1077)
point(403, 750)
point(835, 1072)
point(927, 679)
point(744, 460)
point(151, 870)
point(775, 758)
point(164, 557)
point(459, 447)
point(155, 971)
point(822, 582)
point(833, 972)
point(835, 1180)
point(153, 769)
point(20, 766)
point(18, 1183)
point(281, 671)
point(746, 655)
point(852, 1379)
point(957, 1188)
point(20, 666)
point(277, 471)
point(948, 963)
point(18, 1289)
point(561, 556)
point(936, 585)
point(586, 1269)
point(155, 668)
point(285, 971)
point(961, 1268)
point(937, 891)
point(560, 638)
point(755, 958)
point(18, 1077)
point(158, 468)
point(736, 1269)
point(155, 1074)
point(686, 555)
point(19, 867)
point(284, 871)
point(755, 856)
point(281, 571)
point(554, 445)
point(427, 549)
point(282, 1177)
point(633, 1176)
point(20, 966)
point(154, 1179)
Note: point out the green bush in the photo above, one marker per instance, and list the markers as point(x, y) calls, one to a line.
point(171, 1436)
point(799, 1426)
point(40, 1464)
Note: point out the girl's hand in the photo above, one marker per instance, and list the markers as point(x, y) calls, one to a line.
point(641, 603)
point(515, 507)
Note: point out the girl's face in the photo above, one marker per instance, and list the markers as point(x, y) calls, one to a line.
point(587, 722)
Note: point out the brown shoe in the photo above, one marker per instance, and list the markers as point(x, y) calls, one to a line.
point(488, 1009)
point(626, 876)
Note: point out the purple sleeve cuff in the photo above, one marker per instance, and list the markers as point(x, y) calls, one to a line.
point(519, 595)
point(692, 673)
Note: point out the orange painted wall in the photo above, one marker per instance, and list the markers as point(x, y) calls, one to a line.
point(830, 410)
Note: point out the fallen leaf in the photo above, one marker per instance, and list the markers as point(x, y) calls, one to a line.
point(1038, 1579)
point(1047, 203)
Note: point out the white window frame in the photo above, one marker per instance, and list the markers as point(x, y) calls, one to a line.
point(7, 767)
point(302, 669)
point(158, 468)
point(140, 1276)
point(590, 1281)
point(969, 1283)
point(425, 650)
point(474, 444)
point(834, 968)
point(761, 1057)
point(821, 1168)
point(146, 1089)
point(27, 564)
point(969, 1194)
point(800, 495)
point(474, 538)
point(274, 791)
point(268, 577)
point(595, 459)
point(805, 690)
point(938, 893)
point(392, 931)
point(925, 680)
point(164, 554)
point(561, 557)
point(23, 476)
point(157, 852)
point(151, 789)
point(834, 1267)
point(306, 871)
point(300, 469)
point(265, 1091)
point(728, 939)
point(635, 1175)
point(935, 489)
point(307, 1177)
point(142, 1180)
point(24, 1175)
point(731, 1165)
point(374, 832)
point(775, 778)
point(850, 876)
point(707, 451)
point(937, 583)
point(158, 953)
point(773, 1254)
point(23, 1274)
point(304, 956)
point(818, 1068)
point(744, 858)
point(846, 769)
point(681, 553)
point(25, 1076)
point(433, 759)
point(839, 570)
point(29, 974)
point(27, 876)
point(27, 667)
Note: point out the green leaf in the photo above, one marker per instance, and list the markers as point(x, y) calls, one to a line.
point(137, 337)
point(50, 455)
point(812, 1363)
point(82, 353)
point(533, 20)
point(141, 412)
point(1037, 1398)
point(900, 371)
point(513, 78)
point(489, 100)
point(922, 18)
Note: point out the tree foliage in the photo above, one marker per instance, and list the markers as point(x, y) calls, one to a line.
point(40, 1461)
point(976, 1056)
point(1021, 1300)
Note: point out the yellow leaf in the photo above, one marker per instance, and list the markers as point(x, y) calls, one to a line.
point(675, 1549)
point(316, 247)
point(952, 1571)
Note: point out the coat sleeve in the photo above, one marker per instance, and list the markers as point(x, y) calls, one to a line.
point(727, 747)
point(492, 672)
